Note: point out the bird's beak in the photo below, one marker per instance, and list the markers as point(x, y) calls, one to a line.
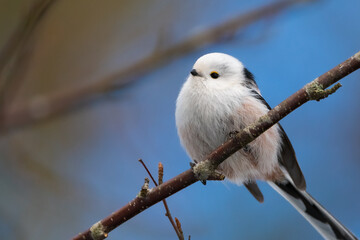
point(194, 73)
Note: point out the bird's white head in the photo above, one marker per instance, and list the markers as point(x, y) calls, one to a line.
point(218, 69)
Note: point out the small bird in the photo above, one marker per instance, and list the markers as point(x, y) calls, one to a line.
point(219, 98)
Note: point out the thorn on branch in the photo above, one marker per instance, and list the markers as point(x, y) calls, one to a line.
point(144, 189)
point(316, 91)
point(161, 173)
point(98, 231)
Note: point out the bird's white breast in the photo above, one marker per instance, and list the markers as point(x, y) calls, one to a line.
point(205, 116)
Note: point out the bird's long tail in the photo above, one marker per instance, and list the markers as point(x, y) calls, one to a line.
point(314, 213)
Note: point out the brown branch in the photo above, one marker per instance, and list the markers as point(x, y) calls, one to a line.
point(44, 107)
point(178, 231)
point(240, 140)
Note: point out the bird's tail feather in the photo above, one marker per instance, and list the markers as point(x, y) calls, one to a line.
point(314, 213)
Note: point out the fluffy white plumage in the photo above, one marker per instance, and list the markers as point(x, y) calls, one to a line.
point(208, 110)
point(219, 97)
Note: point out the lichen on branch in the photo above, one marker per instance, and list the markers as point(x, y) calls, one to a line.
point(317, 92)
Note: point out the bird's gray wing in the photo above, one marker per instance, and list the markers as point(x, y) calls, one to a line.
point(289, 161)
point(287, 157)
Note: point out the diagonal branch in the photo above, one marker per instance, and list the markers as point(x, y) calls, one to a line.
point(44, 107)
point(185, 179)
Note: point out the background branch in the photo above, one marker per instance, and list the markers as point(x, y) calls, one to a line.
point(244, 137)
point(14, 57)
point(44, 107)
point(23, 32)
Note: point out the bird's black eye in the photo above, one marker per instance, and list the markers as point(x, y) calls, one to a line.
point(214, 75)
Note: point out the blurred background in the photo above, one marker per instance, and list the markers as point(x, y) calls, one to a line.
point(88, 87)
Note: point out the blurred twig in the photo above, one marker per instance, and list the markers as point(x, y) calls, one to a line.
point(44, 107)
point(314, 90)
point(178, 230)
point(23, 32)
point(14, 55)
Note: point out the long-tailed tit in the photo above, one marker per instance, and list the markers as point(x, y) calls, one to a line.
point(219, 98)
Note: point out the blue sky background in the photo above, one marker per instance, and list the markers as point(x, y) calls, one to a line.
point(92, 153)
